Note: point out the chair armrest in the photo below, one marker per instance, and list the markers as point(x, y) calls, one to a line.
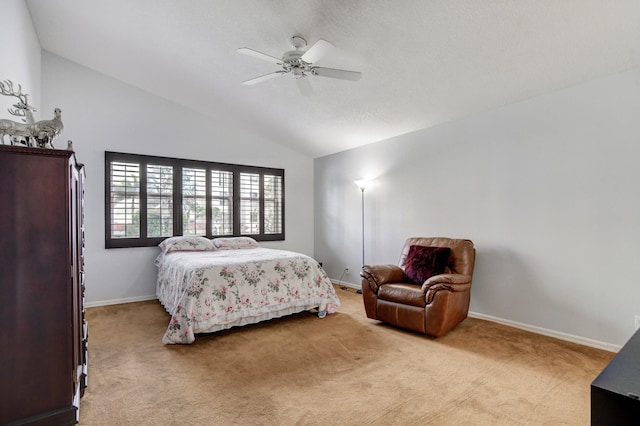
point(449, 282)
point(377, 275)
point(452, 279)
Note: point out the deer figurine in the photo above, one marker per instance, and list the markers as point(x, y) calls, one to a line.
point(19, 133)
point(22, 108)
point(29, 132)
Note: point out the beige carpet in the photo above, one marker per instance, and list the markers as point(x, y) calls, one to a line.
point(341, 370)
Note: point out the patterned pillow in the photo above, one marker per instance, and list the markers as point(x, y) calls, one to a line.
point(234, 243)
point(424, 262)
point(186, 243)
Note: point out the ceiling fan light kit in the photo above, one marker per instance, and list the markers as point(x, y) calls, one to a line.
point(300, 63)
point(298, 42)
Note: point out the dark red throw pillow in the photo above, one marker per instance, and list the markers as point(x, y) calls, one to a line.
point(424, 262)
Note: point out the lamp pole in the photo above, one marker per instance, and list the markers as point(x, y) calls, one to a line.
point(362, 184)
point(362, 189)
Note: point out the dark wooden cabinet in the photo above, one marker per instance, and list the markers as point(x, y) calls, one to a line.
point(43, 333)
point(615, 393)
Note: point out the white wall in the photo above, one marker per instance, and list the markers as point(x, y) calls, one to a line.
point(102, 114)
point(20, 56)
point(548, 189)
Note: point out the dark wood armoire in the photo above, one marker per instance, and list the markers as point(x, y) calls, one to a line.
point(43, 333)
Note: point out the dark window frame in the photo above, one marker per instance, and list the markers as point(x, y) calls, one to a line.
point(178, 164)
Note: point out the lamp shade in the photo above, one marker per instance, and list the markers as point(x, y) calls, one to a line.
point(362, 183)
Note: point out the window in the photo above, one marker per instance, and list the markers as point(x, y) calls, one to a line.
point(249, 202)
point(159, 201)
point(221, 202)
point(194, 201)
point(124, 200)
point(148, 199)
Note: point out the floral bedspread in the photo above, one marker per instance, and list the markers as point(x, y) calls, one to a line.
point(207, 291)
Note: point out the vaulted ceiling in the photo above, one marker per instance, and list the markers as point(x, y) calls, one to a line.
point(423, 62)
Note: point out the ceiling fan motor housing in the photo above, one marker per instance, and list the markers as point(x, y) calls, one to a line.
point(291, 62)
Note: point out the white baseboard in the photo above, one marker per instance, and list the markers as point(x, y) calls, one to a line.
point(532, 328)
point(345, 284)
point(119, 301)
point(550, 333)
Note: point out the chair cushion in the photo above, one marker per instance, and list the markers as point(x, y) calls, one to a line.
point(424, 262)
point(406, 294)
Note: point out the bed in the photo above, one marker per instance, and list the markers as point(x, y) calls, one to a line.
point(212, 285)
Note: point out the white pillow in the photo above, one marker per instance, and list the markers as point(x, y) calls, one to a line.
point(186, 243)
point(234, 243)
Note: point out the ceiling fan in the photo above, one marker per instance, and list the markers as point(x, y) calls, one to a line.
point(300, 64)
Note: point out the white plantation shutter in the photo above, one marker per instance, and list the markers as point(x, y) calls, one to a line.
point(159, 201)
point(249, 203)
point(273, 203)
point(194, 201)
point(221, 202)
point(124, 187)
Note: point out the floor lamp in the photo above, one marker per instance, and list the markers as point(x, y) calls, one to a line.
point(362, 184)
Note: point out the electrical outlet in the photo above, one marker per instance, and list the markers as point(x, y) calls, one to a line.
point(637, 318)
point(346, 270)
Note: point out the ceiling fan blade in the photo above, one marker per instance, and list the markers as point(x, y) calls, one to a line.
point(264, 78)
point(334, 73)
point(259, 55)
point(304, 86)
point(317, 51)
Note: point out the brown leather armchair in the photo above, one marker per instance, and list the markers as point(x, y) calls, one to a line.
point(433, 308)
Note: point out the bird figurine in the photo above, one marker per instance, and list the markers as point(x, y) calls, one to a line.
point(46, 131)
